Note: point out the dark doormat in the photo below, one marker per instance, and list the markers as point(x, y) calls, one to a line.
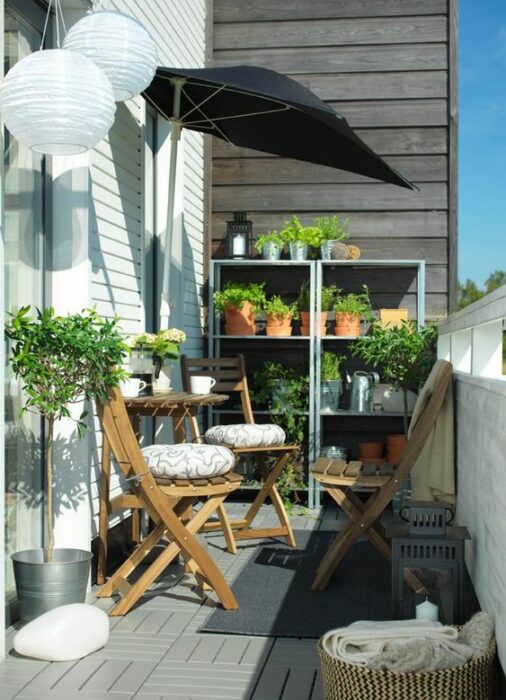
point(274, 590)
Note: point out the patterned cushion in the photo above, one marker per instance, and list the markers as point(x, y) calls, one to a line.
point(246, 435)
point(188, 461)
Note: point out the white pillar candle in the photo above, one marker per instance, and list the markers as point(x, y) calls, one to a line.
point(427, 611)
point(238, 245)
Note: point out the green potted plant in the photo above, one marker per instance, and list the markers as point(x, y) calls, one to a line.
point(60, 360)
point(331, 385)
point(240, 303)
point(349, 310)
point(270, 245)
point(404, 355)
point(300, 238)
point(334, 231)
point(165, 346)
point(279, 316)
point(328, 295)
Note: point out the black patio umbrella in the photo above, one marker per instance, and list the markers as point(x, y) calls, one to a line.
point(261, 109)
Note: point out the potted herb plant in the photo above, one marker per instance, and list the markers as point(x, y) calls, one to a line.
point(270, 245)
point(328, 295)
point(334, 231)
point(331, 386)
point(60, 360)
point(279, 316)
point(240, 303)
point(350, 310)
point(300, 238)
point(403, 354)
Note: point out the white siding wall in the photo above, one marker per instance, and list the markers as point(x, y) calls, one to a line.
point(117, 199)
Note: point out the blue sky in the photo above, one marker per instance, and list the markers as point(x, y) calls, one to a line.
point(482, 138)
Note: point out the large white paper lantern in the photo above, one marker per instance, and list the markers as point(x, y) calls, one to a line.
point(120, 45)
point(57, 102)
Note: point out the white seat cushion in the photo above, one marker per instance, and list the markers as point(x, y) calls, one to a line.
point(188, 461)
point(246, 435)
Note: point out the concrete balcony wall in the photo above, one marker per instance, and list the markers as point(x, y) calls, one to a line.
point(472, 339)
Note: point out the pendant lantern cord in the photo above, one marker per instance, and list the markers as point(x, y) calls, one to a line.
point(58, 19)
point(45, 24)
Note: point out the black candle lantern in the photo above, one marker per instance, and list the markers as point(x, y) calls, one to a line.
point(239, 232)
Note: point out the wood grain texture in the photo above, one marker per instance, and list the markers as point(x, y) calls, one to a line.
point(329, 32)
point(393, 113)
point(262, 10)
point(341, 59)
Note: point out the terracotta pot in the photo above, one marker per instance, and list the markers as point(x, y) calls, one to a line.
point(280, 331)
point(304, 318)
point(397, 439)
point(395, 447)
point(370, 450)
point(240, 321)
point(347, 324)
point(279, 325)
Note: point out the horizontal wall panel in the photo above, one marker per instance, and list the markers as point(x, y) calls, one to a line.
point(262, 171)
point(341, 59)
point(431, 224)
point(263, 10)
point(374, 113)
point(376, 196)
point(329, 32)
point(377, 86)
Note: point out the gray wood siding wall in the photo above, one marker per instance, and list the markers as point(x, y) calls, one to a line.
point(382, 64)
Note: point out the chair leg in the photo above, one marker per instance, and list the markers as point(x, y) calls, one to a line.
point(103, 513)
point(227, 530)
point(283, 516)
point(182, 540)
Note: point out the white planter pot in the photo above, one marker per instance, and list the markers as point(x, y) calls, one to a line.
point(392, 401)
point(162, 382)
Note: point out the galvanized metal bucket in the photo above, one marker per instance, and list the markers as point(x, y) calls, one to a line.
point(330, 392)
point(42, 586)
point(271, 251)
point(298, 250)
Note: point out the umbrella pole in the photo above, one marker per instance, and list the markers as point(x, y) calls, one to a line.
point(175, 136)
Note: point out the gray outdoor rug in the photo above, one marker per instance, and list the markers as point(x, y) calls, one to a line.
point(273, 590)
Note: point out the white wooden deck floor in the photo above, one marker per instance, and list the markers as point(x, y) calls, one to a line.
point(155, 652)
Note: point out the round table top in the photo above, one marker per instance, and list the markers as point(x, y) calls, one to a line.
point(174, 398)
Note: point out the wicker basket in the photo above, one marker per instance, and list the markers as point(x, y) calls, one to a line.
point(472, 681)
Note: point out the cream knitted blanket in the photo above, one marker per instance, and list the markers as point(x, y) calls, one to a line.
point(397, 645)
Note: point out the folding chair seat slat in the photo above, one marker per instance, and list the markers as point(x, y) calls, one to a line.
point(321, 465)
point(337, 467)
point(353, 468)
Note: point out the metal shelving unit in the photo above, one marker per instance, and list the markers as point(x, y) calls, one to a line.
point(315, 274)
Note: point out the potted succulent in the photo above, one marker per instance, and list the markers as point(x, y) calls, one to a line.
point(60, 360)
point(240, 303)
point(279, 316)
point(331, 385)
point(270, 245)
point(300, 238)
point(403, 354)
point(333, 233)
point(328, 295)
point(349, 310)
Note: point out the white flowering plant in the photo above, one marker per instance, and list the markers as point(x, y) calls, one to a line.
point(165, 344)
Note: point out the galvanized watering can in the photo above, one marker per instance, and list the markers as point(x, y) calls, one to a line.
point(362, 391)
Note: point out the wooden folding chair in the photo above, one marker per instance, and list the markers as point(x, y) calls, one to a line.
point(165, 500)
point(339, 478)
point(230, 375)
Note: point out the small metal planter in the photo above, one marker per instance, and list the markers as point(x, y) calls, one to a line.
point(271, 251)
point(330, 393)
point(298, 250)
point(42, 586)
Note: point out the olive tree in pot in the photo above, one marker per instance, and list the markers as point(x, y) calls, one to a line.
point(404, 355)
point(60, 360)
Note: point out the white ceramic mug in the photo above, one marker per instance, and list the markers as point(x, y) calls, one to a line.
point(201, 385)
point(131, 387)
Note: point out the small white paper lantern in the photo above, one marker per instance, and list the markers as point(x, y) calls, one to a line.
point(57, 102)
point(120, 45)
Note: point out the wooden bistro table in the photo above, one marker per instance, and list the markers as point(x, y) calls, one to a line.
point(177, 405)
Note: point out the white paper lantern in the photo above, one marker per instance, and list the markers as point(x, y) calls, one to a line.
point(121, 46)
point(57, 102)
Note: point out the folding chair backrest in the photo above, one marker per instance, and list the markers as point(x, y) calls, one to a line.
point(124, 444)
point(440, 378)
point(230, 375)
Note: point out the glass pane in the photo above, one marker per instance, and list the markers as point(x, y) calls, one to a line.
point(23, 285)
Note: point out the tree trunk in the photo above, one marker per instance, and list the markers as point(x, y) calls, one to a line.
point(49, 491)
point(405, 417)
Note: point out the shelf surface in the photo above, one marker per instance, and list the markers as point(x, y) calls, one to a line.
point(238, 412)
point(372, 414)
point(260, 337)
